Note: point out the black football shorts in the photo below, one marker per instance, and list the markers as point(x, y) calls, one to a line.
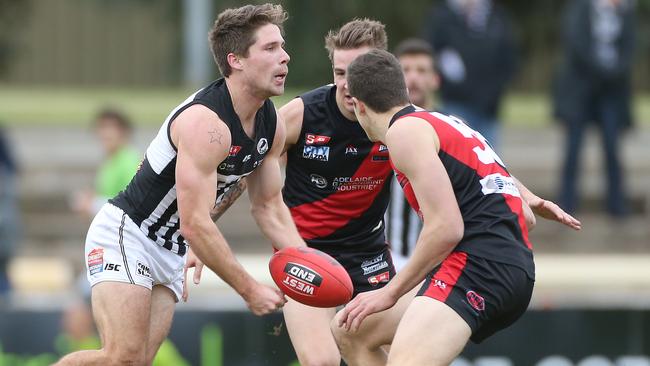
point(488, 295)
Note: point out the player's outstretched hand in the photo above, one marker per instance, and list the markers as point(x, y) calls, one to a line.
point(363, 305)
point(192, 261)
point(551, 211)
point(263, 300)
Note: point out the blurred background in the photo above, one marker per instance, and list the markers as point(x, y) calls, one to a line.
point(83, 79)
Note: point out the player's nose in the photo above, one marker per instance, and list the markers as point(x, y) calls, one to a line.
point(285, 57)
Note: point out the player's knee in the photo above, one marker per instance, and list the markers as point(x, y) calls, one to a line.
point(344, 340)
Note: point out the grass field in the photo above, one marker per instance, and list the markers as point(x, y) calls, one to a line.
point(21, 106)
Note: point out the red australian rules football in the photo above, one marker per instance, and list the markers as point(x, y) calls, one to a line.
point(311, 277)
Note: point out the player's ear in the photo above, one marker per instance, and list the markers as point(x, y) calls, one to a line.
point(234, 61)
point(359, 106)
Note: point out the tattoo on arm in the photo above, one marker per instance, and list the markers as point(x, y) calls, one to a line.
point(215, 136)
point(228, 199)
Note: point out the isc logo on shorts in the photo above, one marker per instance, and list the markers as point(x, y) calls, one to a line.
point(320, 153)
point(112, 267)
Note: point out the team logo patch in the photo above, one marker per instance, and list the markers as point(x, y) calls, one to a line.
point(302, 279)
point(475, 300)
point(262, 145)
point(380, 278)
point(311, 139)
point(320, 153)
point(318, 181)
point(383, 148)
point(234, 150)
point(96, 261)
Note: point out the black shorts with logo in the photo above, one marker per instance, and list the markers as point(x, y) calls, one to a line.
point(369, 268)
point(488, 295)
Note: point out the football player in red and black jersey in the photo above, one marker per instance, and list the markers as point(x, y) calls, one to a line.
point(337, 188)
point(473, 253)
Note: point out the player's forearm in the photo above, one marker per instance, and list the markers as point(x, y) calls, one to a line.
point(275, 221)
point(526, 194)
point(211, 248)
point(229, 198)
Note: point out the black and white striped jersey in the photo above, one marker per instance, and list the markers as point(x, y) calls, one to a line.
point(403, 226)
point(150, 199)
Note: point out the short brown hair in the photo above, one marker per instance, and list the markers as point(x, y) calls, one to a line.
point(376, 79)
point(234, 31)
point(357, 33)
point(413, 46)
point(109, 115)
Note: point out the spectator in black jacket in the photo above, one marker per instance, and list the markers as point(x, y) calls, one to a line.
point(593, 84)
point(476, 55)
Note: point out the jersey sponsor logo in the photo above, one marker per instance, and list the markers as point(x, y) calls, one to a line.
point(356, 183)
point(302, 279)
point(234, 150)
point(374, 265)
point(383, 148)
point(96, 261)
point(262, 146)
point(380, 278)
point(226, 166)
point(246, 158)
point(475, 300)
point(351, 150)
point(143, 270)
point(498, 183)
point(311, 139)
point(318, 181)
point(320, 153)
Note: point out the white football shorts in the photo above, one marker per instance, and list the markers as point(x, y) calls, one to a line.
point(117, 250)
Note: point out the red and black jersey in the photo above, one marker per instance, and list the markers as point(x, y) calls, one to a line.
point(487, 195)
point(337, 185)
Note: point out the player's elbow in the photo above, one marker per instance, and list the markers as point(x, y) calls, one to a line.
point(259, 211)
point(190, 229)
point(453, 230)
point(265, 209)
point(456, 231)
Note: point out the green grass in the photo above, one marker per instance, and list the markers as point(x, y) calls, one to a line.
point(21, 106)
point(24, 106)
